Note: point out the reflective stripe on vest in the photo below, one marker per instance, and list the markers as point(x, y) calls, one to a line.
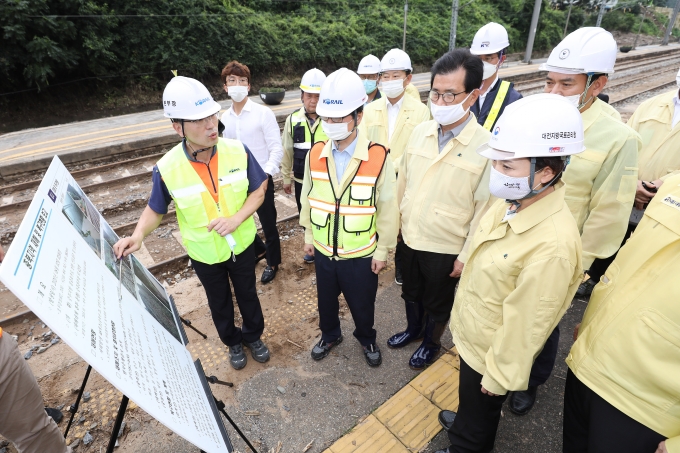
point(303, 139)
point(496, 106)
point(196, 208)
point(345, 226)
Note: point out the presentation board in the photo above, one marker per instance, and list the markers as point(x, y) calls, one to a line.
point(113, 313)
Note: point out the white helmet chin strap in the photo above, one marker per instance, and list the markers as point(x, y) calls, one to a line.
point(589, 83)
point(535, 192)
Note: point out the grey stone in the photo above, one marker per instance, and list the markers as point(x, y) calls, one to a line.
point(54, 341)
point(24, 321)
point(286, 408)
point(93, 425)
point(41, 350)
point(4, 443)
point(75, 443)
point(281, 389)
point(3, 450)
point(82, 419)
point(87, 438)
point(86, 396)
point(60, 407)
point(122, 428)
point(28, 355)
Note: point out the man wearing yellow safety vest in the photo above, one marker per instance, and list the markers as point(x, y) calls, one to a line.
point(491, 44)
point(601, 180)
point(391, 120)
point(350, 214)
point(369, 73)
point(523, 270)
point(301, 131)
point(655, 120)
point(623, 381)
point(443, 188)
point(216, 185)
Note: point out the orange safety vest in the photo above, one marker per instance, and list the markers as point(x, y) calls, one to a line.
point(345, 227)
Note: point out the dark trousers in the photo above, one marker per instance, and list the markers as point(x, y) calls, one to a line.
point(397, 257)
point(267, 216)
point(298, 194)
point(355, 280)
point(592, 425)
point(215, 280)
point(426, 280)
point(599, 266)
point(476, 423)
point(545, 361)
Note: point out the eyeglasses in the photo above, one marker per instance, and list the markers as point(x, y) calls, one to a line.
point(368, 76)
point(328, 119)
point(205, 121)
point(448, 96)
point(234, 81)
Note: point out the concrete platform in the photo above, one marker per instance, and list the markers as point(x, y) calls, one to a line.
point(33, 149)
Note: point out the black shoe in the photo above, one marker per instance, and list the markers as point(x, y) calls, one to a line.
point(429, 349)
point(237, 357)
point(372, 355)
point(258, 350)
point(522, 402)
point(322, 349)
point(586, 288)
point(397, 276)
point(414, 326)
point(268, 274)
point(56, 414)
point(446, 419)
point(309, 259)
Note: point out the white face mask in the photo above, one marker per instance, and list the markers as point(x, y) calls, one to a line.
point(489, 70)
point(448, 114)
point(336, 131)
point(508, 187)
point(393, 88)
point(575, 99)
point(677, 79)
point(237, 93)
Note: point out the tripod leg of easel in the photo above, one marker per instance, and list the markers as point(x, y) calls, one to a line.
point(220, 406)
point(74, 407)
point(187, 323)
point(117, 424)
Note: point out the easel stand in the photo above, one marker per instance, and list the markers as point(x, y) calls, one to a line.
point(119, 418)
point(220, 407)
point(187, 323)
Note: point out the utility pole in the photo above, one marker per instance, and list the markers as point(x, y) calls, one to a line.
point(644, 13)
point(532, 30)
point(454, 24)
point(671, 24)
point(403, 46)
point(601, 13)
point(571, 3)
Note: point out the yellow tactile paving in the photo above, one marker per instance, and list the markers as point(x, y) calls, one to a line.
point(439, 384)
point(407, 421)
point(369, 436)
point(411, 417)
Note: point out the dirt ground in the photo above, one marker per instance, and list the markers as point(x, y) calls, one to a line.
point(289, 305)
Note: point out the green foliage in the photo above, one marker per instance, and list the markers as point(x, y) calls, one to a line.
point(122, 41)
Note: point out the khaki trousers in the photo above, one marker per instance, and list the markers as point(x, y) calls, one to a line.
point(23, 419)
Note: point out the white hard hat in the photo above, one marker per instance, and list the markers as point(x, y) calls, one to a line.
point(312, 80)
point(341, 93)
point(491, 38)
point(370, 64)
point(395, 60)
point(586, 50)
point(185, 98)
point(542, 125)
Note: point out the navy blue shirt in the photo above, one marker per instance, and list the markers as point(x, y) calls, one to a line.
point(160, 198)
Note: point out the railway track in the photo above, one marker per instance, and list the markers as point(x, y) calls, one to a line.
point(120, 186)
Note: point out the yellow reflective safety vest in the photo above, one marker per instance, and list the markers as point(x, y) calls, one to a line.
point(345, 227)
point(497, 104)
point(196, 207)
point(303, 139)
